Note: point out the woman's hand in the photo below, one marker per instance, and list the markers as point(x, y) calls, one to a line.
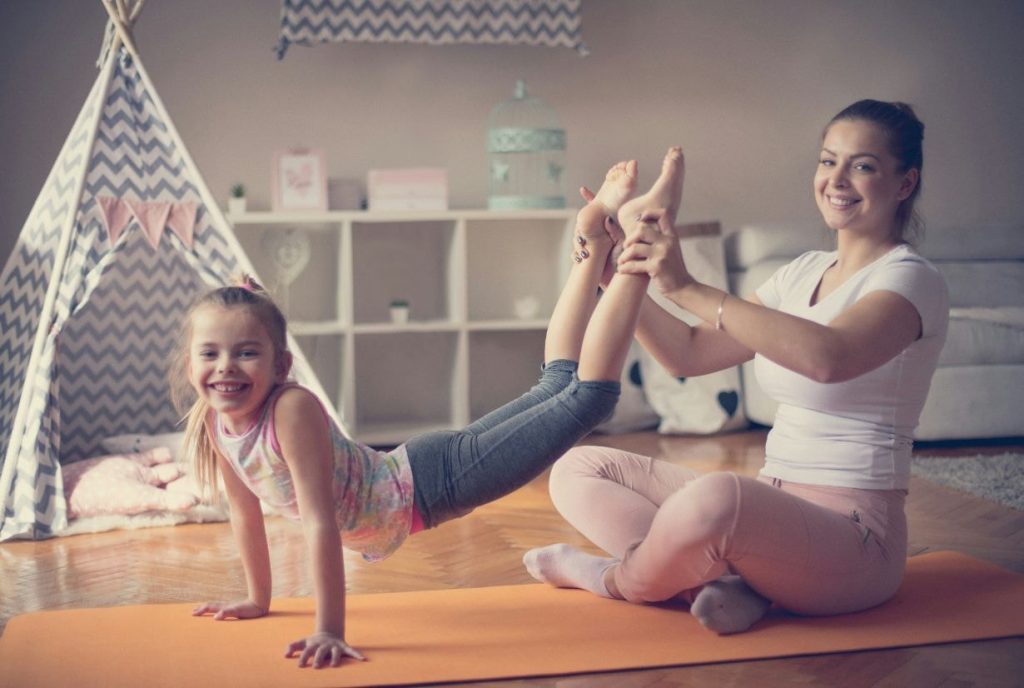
point(652, 248)
point(323, 649)
point(245, 609)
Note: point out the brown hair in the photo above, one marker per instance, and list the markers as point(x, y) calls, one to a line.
point(246, 293)
point(906, 137)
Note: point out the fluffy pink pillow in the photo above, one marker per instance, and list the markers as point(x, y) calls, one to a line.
point(124, 484)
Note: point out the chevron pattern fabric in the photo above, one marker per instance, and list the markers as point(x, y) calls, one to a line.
point(103, 361)
point(116, 341)
point(30, 477)
point(436, 22)
point(103, 366)
point(26, 275)
point(114, 351)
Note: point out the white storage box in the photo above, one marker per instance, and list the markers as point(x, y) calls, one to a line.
point(407, 189)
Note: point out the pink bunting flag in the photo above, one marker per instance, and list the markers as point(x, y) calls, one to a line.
point(182, 221)
point(116, 216)
point(152, 217)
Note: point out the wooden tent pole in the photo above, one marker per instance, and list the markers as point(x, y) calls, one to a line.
point(135, 13)
point(123, 30)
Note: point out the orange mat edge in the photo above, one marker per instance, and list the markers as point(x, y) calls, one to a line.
point(500, 632)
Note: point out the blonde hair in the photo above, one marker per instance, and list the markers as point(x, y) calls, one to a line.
point(198, 444)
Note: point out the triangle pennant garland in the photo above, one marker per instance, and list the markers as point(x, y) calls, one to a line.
point(152, 217)
point(182, 221)
point(116, 216)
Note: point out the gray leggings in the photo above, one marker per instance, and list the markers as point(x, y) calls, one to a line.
point(456, 471)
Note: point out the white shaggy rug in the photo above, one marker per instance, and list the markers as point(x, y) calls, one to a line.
point(997, 477)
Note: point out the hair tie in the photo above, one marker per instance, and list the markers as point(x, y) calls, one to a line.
point(250, 284)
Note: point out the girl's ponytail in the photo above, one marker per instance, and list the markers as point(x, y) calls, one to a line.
point(199, 447)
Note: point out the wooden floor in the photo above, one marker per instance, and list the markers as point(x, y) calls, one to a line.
point(198, 562)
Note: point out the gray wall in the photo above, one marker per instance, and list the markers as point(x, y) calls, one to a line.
point(744, 86)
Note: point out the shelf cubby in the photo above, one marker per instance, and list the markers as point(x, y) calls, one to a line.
point(502, 365)
point(467, 347)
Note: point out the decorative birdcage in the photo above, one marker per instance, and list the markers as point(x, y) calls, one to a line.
point(526, 151)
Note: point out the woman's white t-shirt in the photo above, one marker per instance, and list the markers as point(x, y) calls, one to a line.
point(857, 433)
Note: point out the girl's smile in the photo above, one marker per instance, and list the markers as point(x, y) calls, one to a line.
point(232, 364)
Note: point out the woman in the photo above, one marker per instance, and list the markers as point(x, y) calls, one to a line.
point(846, 341)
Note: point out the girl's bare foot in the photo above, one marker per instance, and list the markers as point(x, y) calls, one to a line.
point(666, 193)
point(619, 185)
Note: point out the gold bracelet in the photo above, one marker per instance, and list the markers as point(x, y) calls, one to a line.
point(721, 305)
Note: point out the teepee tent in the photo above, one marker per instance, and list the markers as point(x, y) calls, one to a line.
point(122, 238)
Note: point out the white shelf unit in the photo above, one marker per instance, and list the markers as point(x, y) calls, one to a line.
point(463, 352)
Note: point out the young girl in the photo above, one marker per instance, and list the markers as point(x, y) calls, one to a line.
point(847, 342)
point(271, 440)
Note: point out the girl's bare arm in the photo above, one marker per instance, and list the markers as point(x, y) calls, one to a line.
point(304, 435)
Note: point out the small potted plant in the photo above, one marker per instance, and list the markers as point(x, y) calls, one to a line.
point(399, 311)
point(236, 203)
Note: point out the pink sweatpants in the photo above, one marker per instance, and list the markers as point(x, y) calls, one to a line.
point(811, 549)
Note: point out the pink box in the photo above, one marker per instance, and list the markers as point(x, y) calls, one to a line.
point(407, 189)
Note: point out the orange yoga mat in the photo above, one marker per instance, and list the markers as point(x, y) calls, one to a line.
point(485, 633)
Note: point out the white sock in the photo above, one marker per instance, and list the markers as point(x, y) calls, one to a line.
point(564, 566)
point(728, 605)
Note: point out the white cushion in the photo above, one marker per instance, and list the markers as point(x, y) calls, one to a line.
point(632, 413)
point(704, 404)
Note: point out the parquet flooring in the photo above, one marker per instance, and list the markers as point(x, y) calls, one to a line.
point(198, 562)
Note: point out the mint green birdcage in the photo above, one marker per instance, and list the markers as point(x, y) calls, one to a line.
point(526, 152)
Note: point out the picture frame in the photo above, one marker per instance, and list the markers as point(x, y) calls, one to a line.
point(299, 180)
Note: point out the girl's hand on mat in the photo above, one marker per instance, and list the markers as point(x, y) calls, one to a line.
point(246, 609)
point(324, 649)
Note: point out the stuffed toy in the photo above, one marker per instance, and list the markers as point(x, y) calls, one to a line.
point(125, 484)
